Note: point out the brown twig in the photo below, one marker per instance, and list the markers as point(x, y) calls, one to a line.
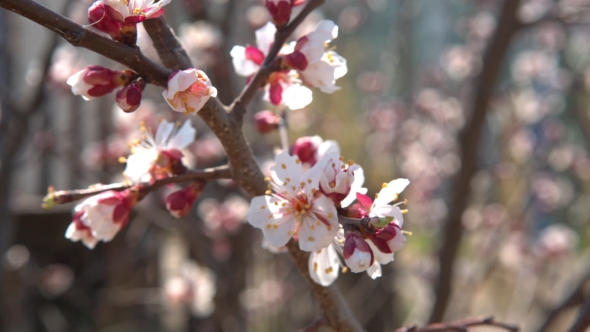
point(238, 108)
point(462, 325)
point(508, 25)
point(82, 36)
point(67, 196)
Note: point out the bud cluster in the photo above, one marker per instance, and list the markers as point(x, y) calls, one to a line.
point(97, 81)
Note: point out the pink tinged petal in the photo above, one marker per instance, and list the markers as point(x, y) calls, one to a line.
point(255, 55)
point(280, 230)
point(397, 243)
point(390, 192)
point(75, 234)
point(297, 96)
point(380, 257)
point(172, 87)
point(311, 179)
point(242, 65)
point(324, 209)
point(364, 200)
point(374, 271)
point(186, 78)
point(265, 37)
point(276, 93)
point(183, 137)
point(324, 266)
point(163, 132)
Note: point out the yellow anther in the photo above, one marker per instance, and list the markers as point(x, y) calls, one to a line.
point(404, 211)
point(122, 160)
point(283, 166)
point(268, 192)
point(328, 270)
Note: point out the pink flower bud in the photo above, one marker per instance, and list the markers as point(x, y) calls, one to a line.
point(188, 90)
point(99, 18)
point(179, 203)
point(357, 252)
point(266, 121)
point(96, 81)
point(389, 239)
point(101, 217)
point(280, 11)
point(295, 60)
point(129, 97)
point(306, 149)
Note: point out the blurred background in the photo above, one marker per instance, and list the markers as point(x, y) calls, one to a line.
point(417, 69)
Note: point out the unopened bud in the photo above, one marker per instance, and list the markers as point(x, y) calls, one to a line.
point(179, 203)
point(266, 121)
point(96, 81)
point(99, 18)
point(389, 239)
point(306, 148)
point(129, 97)
point(357, 252)
point(280, 11)
point(295, 60)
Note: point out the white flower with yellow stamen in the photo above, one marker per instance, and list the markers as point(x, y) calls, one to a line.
point(135, 11)
point(152, 156)
point(294, 207)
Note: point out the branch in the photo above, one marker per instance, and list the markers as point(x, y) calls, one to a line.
point(67, 196)
point(82, 36)
point(508, 25)
point(238, 107)
point(462, 325)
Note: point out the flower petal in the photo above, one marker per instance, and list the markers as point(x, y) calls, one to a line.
point(324, 266)
point(390, 192)
point(265, 37)
point(242, 65)
point(297, 96)
point(183, 137)
point(374, 271)
point(163, 133)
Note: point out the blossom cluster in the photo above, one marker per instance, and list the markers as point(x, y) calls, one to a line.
point(301, 64)
point(307, 197)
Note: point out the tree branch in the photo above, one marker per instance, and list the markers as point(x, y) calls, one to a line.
point(67, 196)
point(245, 171)
point(238, 107)
point(470, 137)
point(462, 325)
point(82, 36)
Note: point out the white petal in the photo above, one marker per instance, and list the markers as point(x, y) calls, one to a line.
point(356, 187)
point(265, 37)
point(279, 231)
point(324, 266)
point(398, 242)
point(338, 62)
point(328, 26)
point(320, 75)
point(314, 234)
point(183, 137)
point(389, 211)
point(297, 96)
point(139, 166)
point(328, 147)
point(390, 192)
point(260, 209)
point(374, 271)
point(163, 133)
point(286, 167)
point(242, 65)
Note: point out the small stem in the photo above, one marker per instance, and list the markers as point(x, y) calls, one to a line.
point(284, 131)
point(67, 196)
